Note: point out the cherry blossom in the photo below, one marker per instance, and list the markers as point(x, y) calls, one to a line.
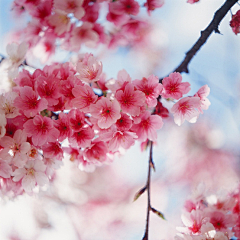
point(151, 88)
point(89, 69)
point(82, 138)
point(106, 111)
point(173, 86)
point(202, 93)
point(61, 22)
point(84, 97)
point(122, 79)
point(125, 6)
point(41, 130)
point(124, 139)
point(29, 103)
point(96, 152)
point(7, 106)
point(17, 52)
point(194, 221)
point(42, 10)
point(17, 146)
point(235, 22)
point(32, 174)
point(83, 34)
point(192, 1)
point(5, 169)
point(186, 108)
point(63, 126)
point(130, 100)
point(70, 6)
point(153, 4)
point(146, 129)
point(76, 120)
point(52, 150)
point(124, 123)
point(48, 88)
point(117, 19)
point(161, 110)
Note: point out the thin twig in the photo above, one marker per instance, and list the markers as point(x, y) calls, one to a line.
point(148, 184)
point(212, 27)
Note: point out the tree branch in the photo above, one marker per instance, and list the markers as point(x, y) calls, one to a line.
point(212, 27)
point(150, 163)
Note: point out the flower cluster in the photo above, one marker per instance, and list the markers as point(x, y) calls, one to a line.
point(211, 217)
point(60, 104)
point(187, 108)
point(73, 23)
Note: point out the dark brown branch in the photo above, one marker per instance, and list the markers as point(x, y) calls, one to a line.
point(148, 184)
point(212, 27)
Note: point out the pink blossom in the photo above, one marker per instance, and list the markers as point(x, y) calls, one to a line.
point(192, 1)
point(71, 6)
point(173, 86)
point(63, 126)
point(33, 153)
point(45, 47)
point(29, 102)
point(85, 165)
point(124, 123)
point(18, 8)
point(153, 4)
point(24, 78)
point(10, 127)
point(186, 108)
point(221, 221)
point(31, 174)
point(32, 32)
point(48, 88)
point(124, 139)
point(161, 110)
point(76, 120)
point(193, 222)
point(83, 34)
point(96, 153)
point(106, 111)
point(42, 10)
point(151, 88)
point(146, 129)
point(118, 39)
point(85, 97)
point(41, 130)
point(7, 105)
point(82, 138)
point(5, 169)
point(122, 79)
point(202, 93)
point(125, 7)
point(99, 29)
point(17, 146)
point(135, 30)
point(17, 52)
point(66, 90)
point(235, 22)
point(89, 69)
point(91, 13)
point(52, 164)
point(60, 22)
point(52, 150)
point(130, 100)
point(117, 19)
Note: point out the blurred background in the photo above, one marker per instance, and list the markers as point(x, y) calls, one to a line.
point(99, 205)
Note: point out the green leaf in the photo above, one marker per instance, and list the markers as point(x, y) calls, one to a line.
point(139, 193)
point(158, 213)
